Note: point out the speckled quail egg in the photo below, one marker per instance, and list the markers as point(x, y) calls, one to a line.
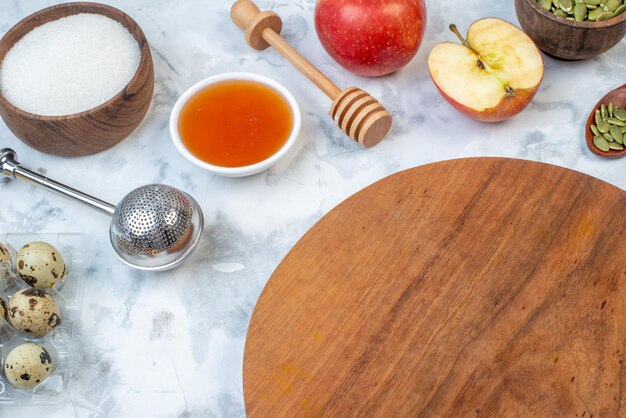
point(33, 312)
point(27, 365)
point(40, 265)
point(3, 309)
point(5, 255)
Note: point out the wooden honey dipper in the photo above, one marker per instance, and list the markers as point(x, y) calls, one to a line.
point(355, 111)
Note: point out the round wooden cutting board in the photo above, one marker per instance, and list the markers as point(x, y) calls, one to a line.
point(476, 287)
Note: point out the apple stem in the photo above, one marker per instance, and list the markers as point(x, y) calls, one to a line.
point(454, 30)
point(510, 91)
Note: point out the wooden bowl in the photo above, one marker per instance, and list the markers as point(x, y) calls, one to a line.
point(567, 40)
point(618, 98)
point(93, 130)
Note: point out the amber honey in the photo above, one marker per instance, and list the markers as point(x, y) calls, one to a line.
point(235, 123)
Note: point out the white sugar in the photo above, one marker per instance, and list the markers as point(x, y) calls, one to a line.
point(69, 65)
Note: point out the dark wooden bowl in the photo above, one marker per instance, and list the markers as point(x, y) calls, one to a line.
point(567, 40)
point(93, 130)
point(618, 98)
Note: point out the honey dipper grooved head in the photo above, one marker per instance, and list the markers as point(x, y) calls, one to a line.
point(361, 116)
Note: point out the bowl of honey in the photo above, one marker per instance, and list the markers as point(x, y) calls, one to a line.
point(235, 124)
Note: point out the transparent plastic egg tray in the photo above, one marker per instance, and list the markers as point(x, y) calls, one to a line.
point(60, 343)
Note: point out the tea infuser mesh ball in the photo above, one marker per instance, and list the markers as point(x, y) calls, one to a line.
point(155, 227)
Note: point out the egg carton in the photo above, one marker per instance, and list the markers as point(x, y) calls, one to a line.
point(61, 342)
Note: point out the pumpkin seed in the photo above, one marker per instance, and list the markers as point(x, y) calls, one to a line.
point(610, 128)
point(566, 5)
point(605, 16)
point(593, 15)
point(589, 10)
point(601, 143)
point(595, 130)
point(604, 126)
point(580, 12)
point(612, 5)
point(617, 135)
point(546, 4)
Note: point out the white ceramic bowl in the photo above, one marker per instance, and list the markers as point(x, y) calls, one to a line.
point(245, 170)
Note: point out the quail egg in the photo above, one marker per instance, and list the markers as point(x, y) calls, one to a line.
point(27, 365)
point(33, 312)
point(40, 265)
point(3, 309)
point(5, 255)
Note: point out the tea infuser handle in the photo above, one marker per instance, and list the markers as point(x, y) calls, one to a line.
point(11, 168)
point(262, 29)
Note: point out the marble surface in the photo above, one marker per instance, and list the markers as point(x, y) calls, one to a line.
point(171, 344)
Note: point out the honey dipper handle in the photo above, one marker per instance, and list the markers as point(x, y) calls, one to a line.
point(262, 29)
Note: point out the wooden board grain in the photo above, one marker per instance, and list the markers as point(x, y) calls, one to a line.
point(475, 287)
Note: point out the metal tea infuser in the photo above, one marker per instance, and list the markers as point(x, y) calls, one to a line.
point(155, 227)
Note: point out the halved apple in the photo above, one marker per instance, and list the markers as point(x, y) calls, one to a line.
point(491, 76)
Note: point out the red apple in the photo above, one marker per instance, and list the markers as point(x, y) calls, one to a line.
point(371, 37)
point(492, 75)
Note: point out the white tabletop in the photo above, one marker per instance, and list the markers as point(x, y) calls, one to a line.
point(171, 344)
